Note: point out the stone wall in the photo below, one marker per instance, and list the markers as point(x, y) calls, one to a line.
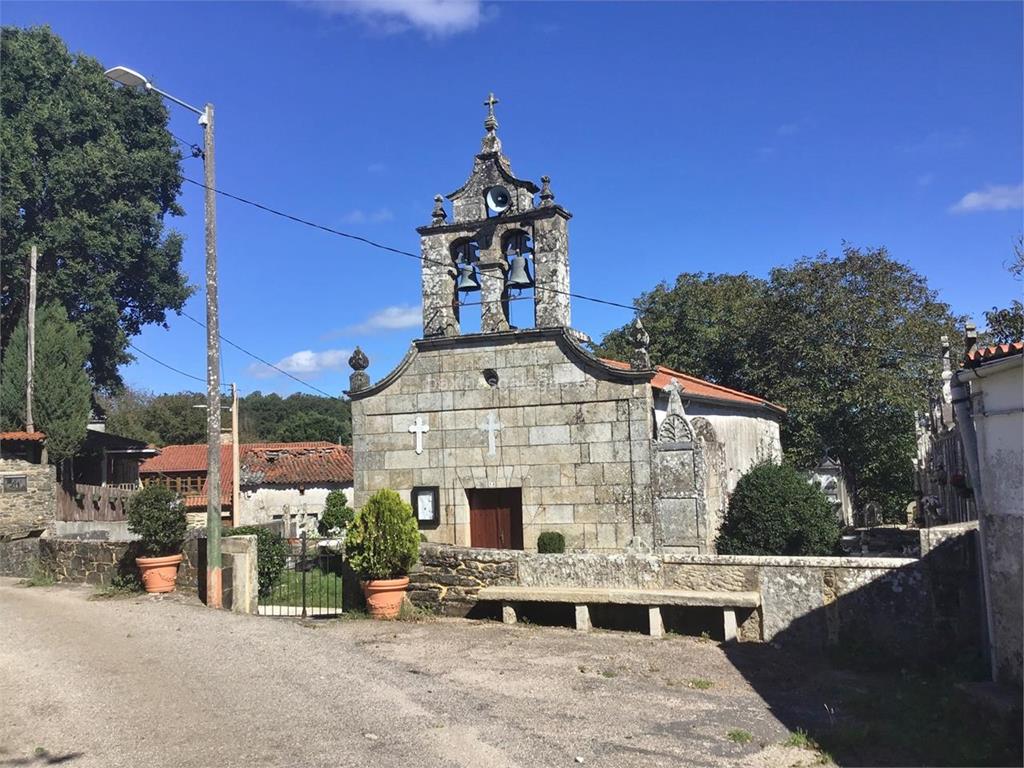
point(32, 509)
point(87, 561)
point(574, 437)
point(902, 607)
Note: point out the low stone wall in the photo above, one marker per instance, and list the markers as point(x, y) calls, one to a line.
point(903, 607)
point(88, 561)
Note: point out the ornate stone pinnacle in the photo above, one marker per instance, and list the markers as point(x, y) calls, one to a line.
point(359, 361)
point(359, 378)
point(547, 197)
point(641, 360)
point(438, 216)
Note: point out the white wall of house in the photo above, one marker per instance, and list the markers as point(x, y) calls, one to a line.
point(997, 393)
point(267, 503)
point(747, 437)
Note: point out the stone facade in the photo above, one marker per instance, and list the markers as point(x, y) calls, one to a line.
point(31, 509)
point(574, 437)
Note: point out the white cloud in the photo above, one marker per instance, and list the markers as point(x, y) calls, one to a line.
point(388, 319)
point(305, 362)
point(994, 197)
point(434, 17)
point(359, 216)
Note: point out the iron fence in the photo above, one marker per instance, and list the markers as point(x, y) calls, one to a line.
point(309, 585)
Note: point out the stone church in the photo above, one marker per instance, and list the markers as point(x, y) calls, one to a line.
point(497, 435)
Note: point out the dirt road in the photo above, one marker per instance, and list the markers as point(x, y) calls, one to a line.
point(146, 681)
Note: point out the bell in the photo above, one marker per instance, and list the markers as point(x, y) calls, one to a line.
point(468, 281)
point(518, 273)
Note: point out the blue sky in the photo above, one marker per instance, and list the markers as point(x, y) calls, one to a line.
point(682, 136)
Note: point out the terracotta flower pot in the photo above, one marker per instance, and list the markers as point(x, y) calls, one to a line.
point(158, 573)
point(384, 596)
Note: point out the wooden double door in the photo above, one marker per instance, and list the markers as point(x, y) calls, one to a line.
point(496, 517)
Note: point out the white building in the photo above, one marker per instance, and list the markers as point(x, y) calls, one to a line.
point(988, 398)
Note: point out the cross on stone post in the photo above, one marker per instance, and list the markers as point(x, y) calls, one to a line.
point(492, 426)
point(419, 428)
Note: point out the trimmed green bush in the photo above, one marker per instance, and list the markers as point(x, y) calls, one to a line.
point(337, 514)
point(775, 511)
point(271, 554)
point(551, 543)
point(156, 515)
point(383, 541)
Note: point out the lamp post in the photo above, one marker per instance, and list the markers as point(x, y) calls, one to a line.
point(133, 79)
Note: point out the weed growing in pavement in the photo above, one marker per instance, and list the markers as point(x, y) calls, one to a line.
point(739, 736)
point(700, 683)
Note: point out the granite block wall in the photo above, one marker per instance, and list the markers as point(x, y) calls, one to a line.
point(28, 497)
point(578, 446)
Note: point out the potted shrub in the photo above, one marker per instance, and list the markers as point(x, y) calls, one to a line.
point(156, 515)
point(383, 543)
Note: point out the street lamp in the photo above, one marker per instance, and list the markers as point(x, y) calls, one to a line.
point(132, 79)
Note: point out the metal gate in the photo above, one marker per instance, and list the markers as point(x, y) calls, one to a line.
point(309, 585)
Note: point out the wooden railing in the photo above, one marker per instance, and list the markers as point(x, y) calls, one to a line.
point(88, 503)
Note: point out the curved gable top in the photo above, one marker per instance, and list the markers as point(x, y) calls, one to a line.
point(573, 350)
point(501, 164)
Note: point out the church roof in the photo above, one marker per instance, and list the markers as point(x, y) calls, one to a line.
point(701, 389)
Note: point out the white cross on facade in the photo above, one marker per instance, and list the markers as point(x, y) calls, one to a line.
point(419, 428)
point(491, 427)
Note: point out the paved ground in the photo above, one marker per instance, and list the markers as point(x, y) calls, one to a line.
point(150, 681)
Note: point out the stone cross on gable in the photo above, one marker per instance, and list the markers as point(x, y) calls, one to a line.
point(492, 426)
point(419, 429)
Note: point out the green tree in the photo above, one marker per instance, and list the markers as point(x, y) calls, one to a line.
point(127, 415)
point(848, 344)
point(264, 418)
point(1005, 325)
point(88, 172)
point(337, 514)
point(303, 427)
point(62, 393)
point(775, 511)
point(697, 325)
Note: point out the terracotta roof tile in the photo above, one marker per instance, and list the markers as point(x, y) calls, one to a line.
point(24, 437)
point(699, 387)
point(995, 352)
point(261, 463)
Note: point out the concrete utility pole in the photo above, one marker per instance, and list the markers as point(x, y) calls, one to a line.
point(236, 464)
point(132, 79)
point(213, 500)
point(30, 362)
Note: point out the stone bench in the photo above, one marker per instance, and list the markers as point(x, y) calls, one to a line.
point(654, 599)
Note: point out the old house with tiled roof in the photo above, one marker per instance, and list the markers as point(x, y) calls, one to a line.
point(499, 424)
point(286, 482)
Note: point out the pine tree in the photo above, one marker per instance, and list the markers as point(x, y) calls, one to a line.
point(62, 391)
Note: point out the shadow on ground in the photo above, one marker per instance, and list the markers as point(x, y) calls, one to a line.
point(873, 685)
